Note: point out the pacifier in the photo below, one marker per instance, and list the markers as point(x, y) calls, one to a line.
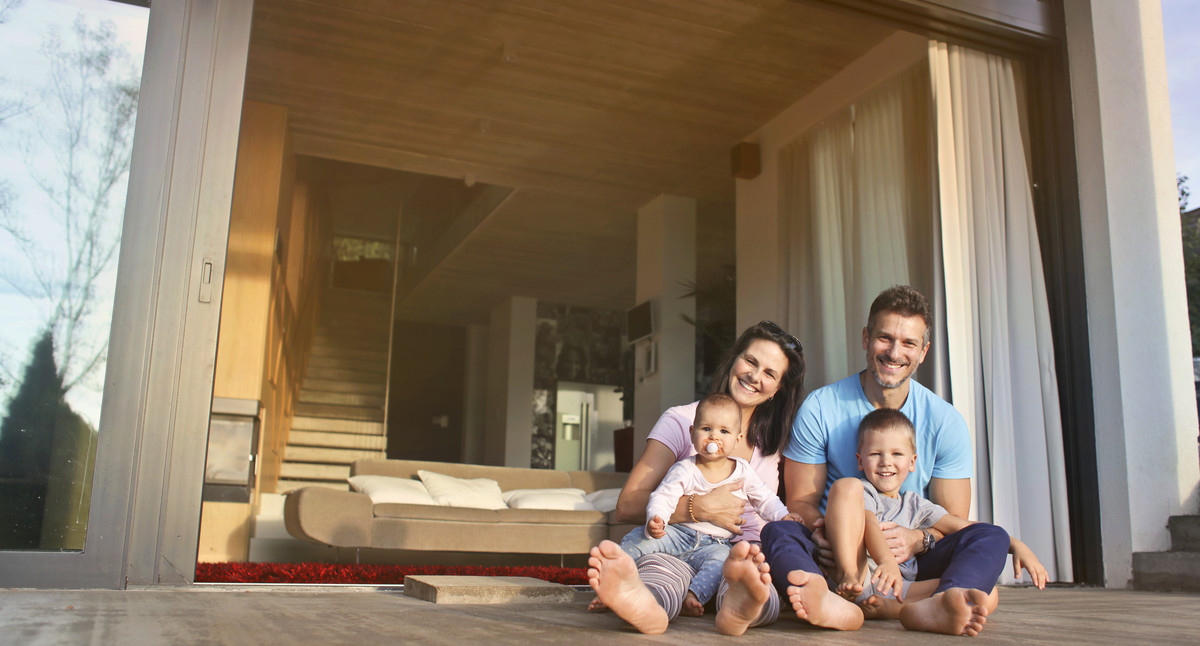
point(712, 447)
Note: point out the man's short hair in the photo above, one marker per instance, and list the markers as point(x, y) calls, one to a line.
point(903, 300)
point(720, 400)
point(887, 419)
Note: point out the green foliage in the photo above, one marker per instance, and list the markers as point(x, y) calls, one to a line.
point(1189, 222)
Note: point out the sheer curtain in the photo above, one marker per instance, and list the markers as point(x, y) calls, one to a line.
point(857, 224)
point(998, 326)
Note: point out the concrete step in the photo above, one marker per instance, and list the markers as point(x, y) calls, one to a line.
point(301, 423)
point(325, 455)
point(338, 386)
point(343, 353)
point(369, 322)
point(1166, 571)
point(284, 485)
point(331, 339)
point(305, 471)
point(1185, 533)
point(357, 376)
point(373, 364)
point(363, 413)
point(336, 440)
point(341, 399)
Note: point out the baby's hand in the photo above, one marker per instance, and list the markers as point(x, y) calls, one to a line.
point(656, 528)
point(887, 579)
point(794, 516)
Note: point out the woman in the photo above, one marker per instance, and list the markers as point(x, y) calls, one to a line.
point(764, 373)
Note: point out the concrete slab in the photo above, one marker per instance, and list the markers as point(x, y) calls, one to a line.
point(485, 589)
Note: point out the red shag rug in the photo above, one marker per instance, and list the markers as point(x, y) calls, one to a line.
point(368, 574)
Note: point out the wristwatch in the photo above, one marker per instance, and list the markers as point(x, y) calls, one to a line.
point(927, 542)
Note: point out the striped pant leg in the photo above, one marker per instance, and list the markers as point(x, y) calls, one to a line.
point(668, 578)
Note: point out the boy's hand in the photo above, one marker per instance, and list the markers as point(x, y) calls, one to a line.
point(1023, 557)
point(656, 528)
point(888, 579)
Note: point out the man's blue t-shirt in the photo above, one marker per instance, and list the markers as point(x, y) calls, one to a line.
point(826, 432)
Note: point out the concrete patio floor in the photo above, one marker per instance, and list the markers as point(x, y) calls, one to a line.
point(290, 615)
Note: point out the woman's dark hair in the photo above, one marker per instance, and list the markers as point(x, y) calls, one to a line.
point(772, 420)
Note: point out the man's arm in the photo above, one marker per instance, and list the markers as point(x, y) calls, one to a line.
point(805, 484)
point(953, 495)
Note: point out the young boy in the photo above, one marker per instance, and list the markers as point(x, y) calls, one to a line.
point(717, 431)
point(957, 602)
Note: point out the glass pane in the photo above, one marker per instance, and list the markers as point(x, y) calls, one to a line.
point(69, 77)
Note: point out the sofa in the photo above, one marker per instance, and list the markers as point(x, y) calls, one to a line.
point(439, 506)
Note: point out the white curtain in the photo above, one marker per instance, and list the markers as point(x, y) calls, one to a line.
point(1001, 358)
point(857, 225)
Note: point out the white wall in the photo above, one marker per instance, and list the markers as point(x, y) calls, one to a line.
point(666, 259)
point(1137, 307)
point(508, 437)
point(760, 256)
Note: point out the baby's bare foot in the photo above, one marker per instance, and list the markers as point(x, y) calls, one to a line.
point(849, 589)
point(813, 602)
point(614, 576)
point(597, 606)
point(957, 611)
point(749, 580)
point(877, 607)
point(691, 605)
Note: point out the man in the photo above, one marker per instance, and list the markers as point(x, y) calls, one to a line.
point(822, 449)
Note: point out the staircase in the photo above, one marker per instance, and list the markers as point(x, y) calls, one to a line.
point(339, 417)
point(1178, 569)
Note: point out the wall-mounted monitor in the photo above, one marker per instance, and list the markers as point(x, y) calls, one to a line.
point(639, 322)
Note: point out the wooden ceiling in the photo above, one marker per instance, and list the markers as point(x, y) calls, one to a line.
point(587, 108)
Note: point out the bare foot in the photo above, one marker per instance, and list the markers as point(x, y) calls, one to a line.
point(613, 575)
point(691, 605)
point(957, 611)
point(849, 590)
point(749, 579)
point(597, 606)
point(877, 607)
point(815, 603)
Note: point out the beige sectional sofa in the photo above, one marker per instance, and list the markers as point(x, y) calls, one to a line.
point(351, 519)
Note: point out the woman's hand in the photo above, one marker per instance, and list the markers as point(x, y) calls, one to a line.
point(720, 507)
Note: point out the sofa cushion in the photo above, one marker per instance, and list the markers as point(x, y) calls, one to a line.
point(435, 512)
point(561, 498)
point(384, 489)
point(603, 499)
point(508, 477)
point(550, 517)
point(480, 493)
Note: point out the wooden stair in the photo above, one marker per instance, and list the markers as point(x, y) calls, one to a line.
point(339, 417)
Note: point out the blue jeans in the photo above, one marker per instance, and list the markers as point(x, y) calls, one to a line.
point(704, 553)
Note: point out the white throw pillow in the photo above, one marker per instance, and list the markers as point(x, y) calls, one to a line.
point(603, 499)
point(566, 498)
point(448, 491)
point(383, 489)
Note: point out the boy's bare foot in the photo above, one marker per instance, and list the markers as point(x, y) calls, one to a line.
point(957, 611)
point(613, 575)
point(749, 580)
point(877, 607)
point(849, 590)
point(691, 605)
point(815, 603)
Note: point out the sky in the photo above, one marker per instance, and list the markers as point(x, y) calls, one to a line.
point(1181, 36)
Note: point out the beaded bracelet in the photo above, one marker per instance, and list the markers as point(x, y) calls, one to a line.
point(691, 499)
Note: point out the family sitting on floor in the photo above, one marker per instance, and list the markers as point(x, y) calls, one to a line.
point(877, 472)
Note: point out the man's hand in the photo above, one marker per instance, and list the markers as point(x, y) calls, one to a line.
point(824, 548)
point(904, 543)
point(721, 508)
point(656, 527)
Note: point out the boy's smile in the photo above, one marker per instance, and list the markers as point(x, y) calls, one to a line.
point(886, 457)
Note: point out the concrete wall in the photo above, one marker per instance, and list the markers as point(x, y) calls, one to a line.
point(1137, 307)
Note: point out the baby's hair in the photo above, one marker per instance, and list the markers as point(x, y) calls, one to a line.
point(719, 400)
point(887, 419)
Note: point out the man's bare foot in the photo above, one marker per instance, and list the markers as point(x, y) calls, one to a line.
point(691, 605)
point(849, 589)
point(614, 576)
point(597, 606)
point(957, 611)
point(877, 607)
point(813, 602)
point(749, 579)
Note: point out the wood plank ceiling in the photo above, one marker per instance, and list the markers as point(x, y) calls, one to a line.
point(588, 108)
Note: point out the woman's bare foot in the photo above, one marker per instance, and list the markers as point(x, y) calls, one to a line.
point(614, 576)
point(957, 611)
point(849, 589)
point(813, 602)
point(877, 607)
point(749, 579)
point(691, 605)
